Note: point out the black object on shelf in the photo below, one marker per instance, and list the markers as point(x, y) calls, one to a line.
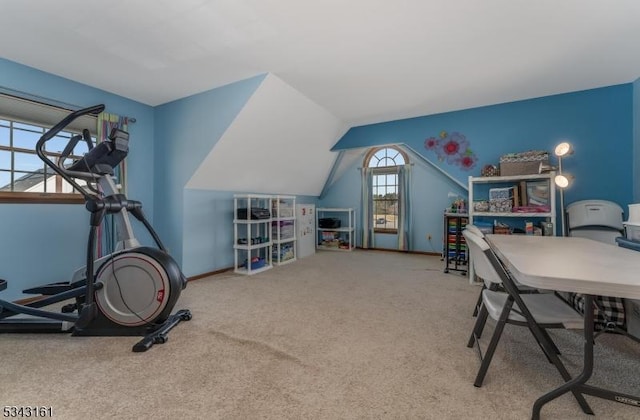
point(256, 214)
point(329, 222)
point(454, 251)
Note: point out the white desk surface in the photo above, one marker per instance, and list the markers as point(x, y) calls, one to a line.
point(570, 264)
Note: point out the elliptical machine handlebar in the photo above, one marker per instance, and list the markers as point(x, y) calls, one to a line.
point(96, 109)
point(68, 175)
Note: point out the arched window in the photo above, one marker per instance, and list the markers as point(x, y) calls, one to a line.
point(384, 162)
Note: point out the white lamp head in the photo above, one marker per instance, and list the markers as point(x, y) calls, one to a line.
point(563, 149)
point(563, 180)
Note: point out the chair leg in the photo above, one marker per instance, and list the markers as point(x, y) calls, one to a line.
point(479, 302)
point(481, 320)
point(486, 361)
point(497, 333)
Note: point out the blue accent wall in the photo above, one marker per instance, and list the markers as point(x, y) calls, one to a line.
point(186, 131)
point(597, 122)
point(46, 242)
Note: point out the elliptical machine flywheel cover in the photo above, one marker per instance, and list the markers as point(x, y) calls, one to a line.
point(140, 286)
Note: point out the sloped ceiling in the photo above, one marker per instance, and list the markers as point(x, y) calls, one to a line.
point(278, 144)
point(364, 61)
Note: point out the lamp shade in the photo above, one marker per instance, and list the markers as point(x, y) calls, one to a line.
point(563, 180)
point(563, 149)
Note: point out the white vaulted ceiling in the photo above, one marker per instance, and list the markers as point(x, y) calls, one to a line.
point(362, 60)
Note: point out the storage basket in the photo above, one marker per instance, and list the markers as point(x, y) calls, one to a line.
point(501, 205)
point(256, 264)
point(632, 231)
point(523, 163)
point(502, 230)
point(481, 205)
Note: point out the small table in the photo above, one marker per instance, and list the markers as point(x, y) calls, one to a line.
point(573, 264)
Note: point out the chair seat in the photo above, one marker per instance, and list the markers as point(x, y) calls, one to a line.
point(546, 308)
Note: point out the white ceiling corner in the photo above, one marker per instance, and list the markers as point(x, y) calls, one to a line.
point(279, 143)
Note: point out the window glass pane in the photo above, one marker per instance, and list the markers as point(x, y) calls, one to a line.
point(4, 136)
point(399, 159)
point(28, 182)
point(57, 143)
point(26, 139)
point(27, 162)
point(5, 160)
point(28, 127)
point(386, 162)
point(5, 179)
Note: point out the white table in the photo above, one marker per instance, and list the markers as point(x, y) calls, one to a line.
point(579, 265)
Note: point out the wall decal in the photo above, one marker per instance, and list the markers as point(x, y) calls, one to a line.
point(452, 148)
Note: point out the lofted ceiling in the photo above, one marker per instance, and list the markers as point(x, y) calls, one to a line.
point(363, 61)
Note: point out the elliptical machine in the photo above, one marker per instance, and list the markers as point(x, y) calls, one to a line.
point(130, 292)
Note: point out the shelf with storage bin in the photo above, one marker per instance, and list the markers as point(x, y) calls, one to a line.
point(252, 228)
point(533, 199)
point(514, 181)
point(283, 227)
point(335, 229)
point(454, 250)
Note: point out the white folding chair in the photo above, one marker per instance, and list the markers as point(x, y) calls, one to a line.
point(538, 312)
point(490, 280)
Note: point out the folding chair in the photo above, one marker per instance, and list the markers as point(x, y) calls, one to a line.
point(490, 280)
point(538, 312)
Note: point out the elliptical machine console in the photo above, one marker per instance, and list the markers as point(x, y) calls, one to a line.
point(130, 291)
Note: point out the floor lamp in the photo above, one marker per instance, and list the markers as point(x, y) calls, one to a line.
point(562, 180)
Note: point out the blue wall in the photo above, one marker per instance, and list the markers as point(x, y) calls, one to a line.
point(186, 131)
point(429, 199)
point(597, 122)
point(208, 230)
point(45, 243)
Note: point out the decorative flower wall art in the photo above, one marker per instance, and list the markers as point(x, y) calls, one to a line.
point(452, 148)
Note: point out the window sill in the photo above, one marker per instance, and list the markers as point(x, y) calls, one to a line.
point(387, 231)
point(40, 198)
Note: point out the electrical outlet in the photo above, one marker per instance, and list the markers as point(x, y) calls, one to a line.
point(428, 236)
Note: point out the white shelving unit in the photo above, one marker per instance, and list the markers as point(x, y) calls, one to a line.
point(511, 181)
point(336, 238)
point(252, 237)
point(283, 227)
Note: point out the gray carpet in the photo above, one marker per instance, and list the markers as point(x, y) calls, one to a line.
point(360, 335)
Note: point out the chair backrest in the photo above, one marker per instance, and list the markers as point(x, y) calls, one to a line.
point(475, 229)
point(481, 264)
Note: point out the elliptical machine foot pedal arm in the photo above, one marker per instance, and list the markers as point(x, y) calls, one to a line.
point(160, 336)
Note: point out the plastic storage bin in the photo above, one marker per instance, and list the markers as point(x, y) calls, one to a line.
point(632, 231)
